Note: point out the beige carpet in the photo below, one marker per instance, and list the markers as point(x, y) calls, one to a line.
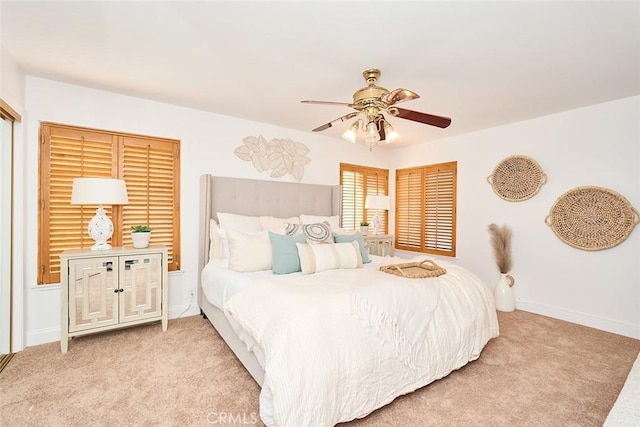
point(539, 372)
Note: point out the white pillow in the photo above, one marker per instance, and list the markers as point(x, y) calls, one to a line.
point(249, 251)
point(214, 245)
point(330, 256)
point(334, 221)
point(244, 223)
point(277, 225)
point(224, 248)
point(219, 247)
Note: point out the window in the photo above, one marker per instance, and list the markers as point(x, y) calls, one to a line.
point(426, 209)
point(150, 167)
point(357, 182)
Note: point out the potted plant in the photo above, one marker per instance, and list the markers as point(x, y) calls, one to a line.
point(364, 228)
point(140, 234)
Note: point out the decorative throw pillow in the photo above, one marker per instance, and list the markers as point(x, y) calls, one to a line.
point(249, 251)
point(357, 237)
point(285, 252)
point(244, 223)
point(292, 228)
point(334, 221)
point(316, 258)
point(319, 232)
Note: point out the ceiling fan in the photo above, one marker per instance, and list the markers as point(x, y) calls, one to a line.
point(371, 102)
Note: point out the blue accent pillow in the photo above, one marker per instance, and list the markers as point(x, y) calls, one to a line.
point(285, 252)
point(346, 238)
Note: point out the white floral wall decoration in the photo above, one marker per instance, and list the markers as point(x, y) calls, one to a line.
point(280, 156)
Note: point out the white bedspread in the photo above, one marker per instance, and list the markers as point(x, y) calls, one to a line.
point(626, 410)
point(339, 344)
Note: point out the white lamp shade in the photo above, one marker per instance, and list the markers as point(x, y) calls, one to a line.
point(377, 202)
point(99, 191)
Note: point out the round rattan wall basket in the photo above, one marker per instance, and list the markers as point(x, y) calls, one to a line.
point(592, 218)
point(517, 178)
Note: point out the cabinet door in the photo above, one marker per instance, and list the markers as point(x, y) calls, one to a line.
point(141, 285)
point(370, 244)
point(93, 293)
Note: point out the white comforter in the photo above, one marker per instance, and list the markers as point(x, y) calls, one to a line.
point(339, 344)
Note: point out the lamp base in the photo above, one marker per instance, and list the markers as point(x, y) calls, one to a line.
point(100, 230)
point(377, 223)
point(101, 246)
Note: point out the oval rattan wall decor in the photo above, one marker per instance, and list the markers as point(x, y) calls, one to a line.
point(592, 218)
point(517, 178)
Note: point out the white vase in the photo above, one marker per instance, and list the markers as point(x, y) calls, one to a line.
point(364, 230)
point(503, 293)
point(140, 239)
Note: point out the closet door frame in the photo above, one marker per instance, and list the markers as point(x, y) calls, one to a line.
point(8, 117)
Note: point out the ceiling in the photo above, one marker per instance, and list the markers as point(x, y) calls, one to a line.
point(482, 63)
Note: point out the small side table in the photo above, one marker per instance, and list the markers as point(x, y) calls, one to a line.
point(381, 244)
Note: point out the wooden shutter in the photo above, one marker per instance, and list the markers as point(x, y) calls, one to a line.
point(358, 181)
point(352, 199)
point(150, 170)
point(67, 154)
point(409, 212)
point(439, 208)
point(426, 209)
point(150, 166)
point(377, 184)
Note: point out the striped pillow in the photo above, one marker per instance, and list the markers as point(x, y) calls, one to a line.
point(330, 256)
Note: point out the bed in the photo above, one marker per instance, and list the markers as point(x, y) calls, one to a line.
point(333, 342)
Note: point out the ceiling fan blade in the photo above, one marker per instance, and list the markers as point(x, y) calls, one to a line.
point(416, 116)
point(346, 104)
point(398, 95)
point(338, 120)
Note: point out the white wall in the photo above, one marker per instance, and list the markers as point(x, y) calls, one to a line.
point(11, 82)
point(207, 144)
point(593, 146)
point(598, 145)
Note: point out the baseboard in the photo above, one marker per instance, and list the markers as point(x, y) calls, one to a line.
point(42, 336)
point(609, 325)
point(184, 311)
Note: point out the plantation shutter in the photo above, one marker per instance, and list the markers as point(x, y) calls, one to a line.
point(409, 209)
point(352, 199)
point(150, 168)
point(70, 154)
point(439, 197)
point(426, 208)
point(357, 182)
point(149, 171)
point(377, 184)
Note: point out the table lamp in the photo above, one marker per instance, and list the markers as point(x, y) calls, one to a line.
point(377, 203)
point(99, 191)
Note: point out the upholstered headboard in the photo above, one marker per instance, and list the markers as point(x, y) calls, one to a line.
point(255, 197)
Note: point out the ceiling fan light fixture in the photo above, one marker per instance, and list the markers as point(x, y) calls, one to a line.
point(372, 134)
point(390, 132)
point(351, 133)
point(372, 101)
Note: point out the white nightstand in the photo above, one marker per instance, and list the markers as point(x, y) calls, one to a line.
point(104, 290)
point(381, 244)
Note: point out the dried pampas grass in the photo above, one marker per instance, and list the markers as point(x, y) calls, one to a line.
point(501, 243)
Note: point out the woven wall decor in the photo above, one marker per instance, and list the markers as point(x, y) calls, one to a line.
point(517, 178)
point(592, 218)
